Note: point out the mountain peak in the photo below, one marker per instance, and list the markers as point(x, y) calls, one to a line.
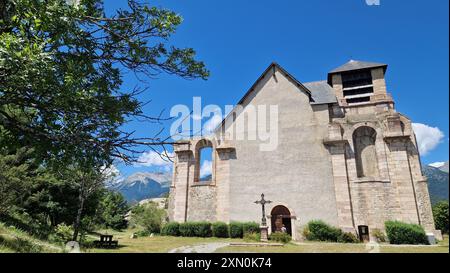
point(443, 166)
point(144, 185)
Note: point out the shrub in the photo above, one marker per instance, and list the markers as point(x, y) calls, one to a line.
point(348, 237)
point(379, 235)
point(440, 214)
point(220, 230)
point(187, 229)
point(320, 231)
point(280, 237)
point(402, 233)
point(202, 229)
point(250, 227)
point(63, 233)
point(236, 230)
point(251, 237)
point(195, 229)
point(149, 216)
point(171, 229)
point(143, 233)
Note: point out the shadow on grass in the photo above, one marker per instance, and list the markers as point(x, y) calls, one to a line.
point(34, 229)
point(20, 245)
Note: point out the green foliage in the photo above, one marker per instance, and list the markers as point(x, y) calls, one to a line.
point(17, 240)
point(112, 210)
point(318, 230)
point(220, 230)
point(441, 215)
point(250, 227)
point(63, 107)
point(202, 229)
point(17, 170)
point(20, 245)
point(196, 229)
point(171, 229)
point(63, 233)
point(348, 237)
point(252, 237)
point(205, 229)
point(379, 235)
point(143, 233)
point(149, 216)
point(236, 230)
point(402, 233)
point(280, 237)
point(187, 229)
point(64, 63)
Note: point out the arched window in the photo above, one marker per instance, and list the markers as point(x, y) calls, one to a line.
point(204, 162)
point(365, 153)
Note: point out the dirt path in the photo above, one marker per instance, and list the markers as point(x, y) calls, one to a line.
point(203, 248)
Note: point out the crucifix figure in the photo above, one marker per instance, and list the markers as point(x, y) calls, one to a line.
point(263, 203)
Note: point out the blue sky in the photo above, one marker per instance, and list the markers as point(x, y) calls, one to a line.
point(238, 39)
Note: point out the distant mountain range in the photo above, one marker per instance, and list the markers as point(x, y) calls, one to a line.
point(438, 180)
point(145, 185)
point(443, 166)
point(141, 186)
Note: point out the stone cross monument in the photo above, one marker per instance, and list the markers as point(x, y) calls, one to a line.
point(263, 227)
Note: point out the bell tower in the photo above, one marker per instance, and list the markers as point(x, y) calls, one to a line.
point(359, 83)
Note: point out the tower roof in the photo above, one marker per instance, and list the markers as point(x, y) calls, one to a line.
point(356, 65)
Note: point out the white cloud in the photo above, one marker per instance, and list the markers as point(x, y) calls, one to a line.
point(428, 138)
point(206, 168)
point(437, 164)
point(154, 159)
point(110, 171)
point(112, 175)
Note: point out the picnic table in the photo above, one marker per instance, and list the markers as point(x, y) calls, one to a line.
point(106, 241)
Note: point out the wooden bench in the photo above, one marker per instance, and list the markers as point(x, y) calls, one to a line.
point(106, 241)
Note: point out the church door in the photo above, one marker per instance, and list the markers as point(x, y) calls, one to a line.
point(363, 232)
point(281, 216)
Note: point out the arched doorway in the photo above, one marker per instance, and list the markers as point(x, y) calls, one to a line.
point(280, 216)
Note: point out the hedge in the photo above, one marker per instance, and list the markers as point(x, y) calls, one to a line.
point(220, 230)
point(400, 233)
point(318, 230)
point(250, 227)
point(205, 229)
point(236, 230)
point(187, 229)
point(195, 229)
point(171, 229)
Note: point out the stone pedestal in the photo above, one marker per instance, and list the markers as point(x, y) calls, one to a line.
point(264, 233)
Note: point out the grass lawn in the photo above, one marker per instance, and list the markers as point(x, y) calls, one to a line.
point(442, 247)
point(297, 248)
point(319, 247)
point(156, 244)
point(13, 240)
point(160, 244)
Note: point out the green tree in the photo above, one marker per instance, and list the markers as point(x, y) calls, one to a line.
point(440, 213)
point(61, 65)
point(61, 70)
point(112, 210)
point(149, 216)
point(16, 173)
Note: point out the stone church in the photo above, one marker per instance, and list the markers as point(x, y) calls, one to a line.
point(344, 156)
